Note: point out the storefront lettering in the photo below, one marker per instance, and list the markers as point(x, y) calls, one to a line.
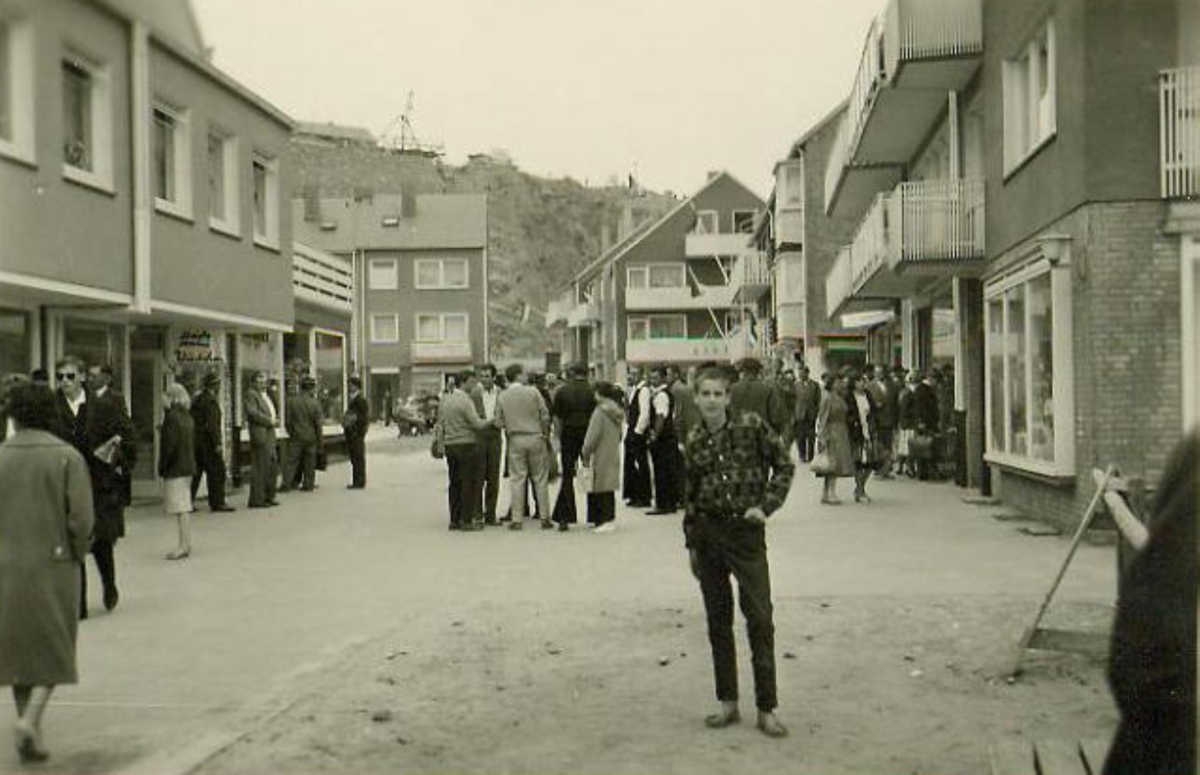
point(196, 346)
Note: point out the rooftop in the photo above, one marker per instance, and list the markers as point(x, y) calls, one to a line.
point(381, 222)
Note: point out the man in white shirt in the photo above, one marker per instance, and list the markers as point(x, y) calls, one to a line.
point(490, 439)
point(637, 461)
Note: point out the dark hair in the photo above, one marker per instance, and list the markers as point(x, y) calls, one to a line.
point(357, 382)
point(658, 368)
point(513, 371)
point(719, 373)
point(39, 375)
point(577, 369)
point(31, 406)
point(610, 391)
point(465, 376)
point(488, 367)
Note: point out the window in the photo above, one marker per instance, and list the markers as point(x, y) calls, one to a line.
point(706, 222)
point(637, 277)
point(441, 273)
point(385, 328)
point(16, 89)
point(657, 327)
point(1029, 98)
point(222, 182)
point(656, 276)
point(1029, 402)
point(442, 327)
point(743, 221)
point(789, 189)
point(170, 150)
point(265, 174)
point(87, 130)
point(382, 274)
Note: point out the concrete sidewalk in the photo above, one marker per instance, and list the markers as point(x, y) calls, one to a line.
point(200, 649)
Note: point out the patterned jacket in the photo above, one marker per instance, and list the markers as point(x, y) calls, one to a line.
point(742, 465)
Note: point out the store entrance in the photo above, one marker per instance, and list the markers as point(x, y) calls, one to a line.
point(145, 397)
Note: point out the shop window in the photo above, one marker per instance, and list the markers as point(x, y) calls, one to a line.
point(330, 364)
point(262, 352)
point(14, 342)
point(1028, 396)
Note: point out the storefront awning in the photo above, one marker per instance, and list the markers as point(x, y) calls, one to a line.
point(867, 319)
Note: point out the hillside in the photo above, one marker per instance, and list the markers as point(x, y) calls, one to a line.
point(540, 231)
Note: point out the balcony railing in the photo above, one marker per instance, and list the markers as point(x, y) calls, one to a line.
point(680, 297)
point(839, 283)
point(936, 220)
point(869, 250)
point(931, 29)
point(322, 279)
point(583, 314)
point(697, 245)
point(1179, 131)
point(441, 352)
point(558, 309)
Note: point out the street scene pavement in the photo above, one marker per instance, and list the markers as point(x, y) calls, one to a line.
point(351, 631)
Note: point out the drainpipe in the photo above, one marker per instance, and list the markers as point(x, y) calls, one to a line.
point(139, 76)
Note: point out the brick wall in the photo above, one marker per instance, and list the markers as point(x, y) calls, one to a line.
point(1127, 365)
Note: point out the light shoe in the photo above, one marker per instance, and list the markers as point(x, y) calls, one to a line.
point(607, 527)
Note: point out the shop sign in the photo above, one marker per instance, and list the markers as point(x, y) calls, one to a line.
point(196, 345)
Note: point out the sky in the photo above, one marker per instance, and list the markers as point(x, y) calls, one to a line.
point(663, 89)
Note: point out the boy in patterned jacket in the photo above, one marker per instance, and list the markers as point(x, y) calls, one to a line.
point(738, 473)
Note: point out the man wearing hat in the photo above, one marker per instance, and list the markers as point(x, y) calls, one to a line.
point(354, 423)
point(303, 422)
point(209, 442)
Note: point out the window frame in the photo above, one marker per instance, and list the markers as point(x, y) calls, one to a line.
point(1022, 102)
point(99, 119)
point(441, 284)
point(733, 217)
point(391, 284)
point(231, 222)
point(375, 318)
point(648, 271)
point(269, 236)
point(716, 220)
point(181, 148)
point(19, 88)
point(648, 320)
point(1062, 381)
point(441, 318)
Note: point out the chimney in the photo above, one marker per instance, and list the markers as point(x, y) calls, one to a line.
point(408, 205)
point(712, 174)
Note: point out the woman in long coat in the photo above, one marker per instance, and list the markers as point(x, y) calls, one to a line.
point(45, 529)
point(176, 464)
point(833, 437)
point(602, 452)
point(862, 424)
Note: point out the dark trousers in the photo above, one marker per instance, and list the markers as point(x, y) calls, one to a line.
point(301, 464)
point(666, 476)
point(211, 466)
point(637, 469)
point(465, 462)
point(263, 472)
point(572, 445)
point(744, 556)
point(102, 551)
point(805, 436)
point(493, 450)
point(601, 507)
point(356, 448)
point(884, 450)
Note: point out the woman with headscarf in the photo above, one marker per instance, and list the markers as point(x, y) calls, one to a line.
point(833, 437)
point(176, 464)
point(45, 531)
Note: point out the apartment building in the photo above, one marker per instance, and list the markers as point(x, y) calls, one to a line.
point(801, 242)
point(1031, 168)
point(141, 218)
point(420, 267)
point(682, 288)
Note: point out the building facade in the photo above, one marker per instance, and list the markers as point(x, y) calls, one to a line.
point(420, 267)
point(142, 223)
point(684, 288)
point(1032, 169)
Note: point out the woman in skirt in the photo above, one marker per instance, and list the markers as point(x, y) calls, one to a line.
point(833, 438)
point(176, 464)
point(861, 424)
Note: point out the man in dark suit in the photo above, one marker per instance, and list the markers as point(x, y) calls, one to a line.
point(71, 426)
point(110, 437)
point(571, 409)
point(808, 402)
point(637, 454)
point(209, 443)
point(491, 443)
point(302, 418)
point(354, 424)
point(262, 417)
point(925, 407)
point(885, 418)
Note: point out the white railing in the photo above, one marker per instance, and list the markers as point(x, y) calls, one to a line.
point(697, 245)
point(838, 283)
point(583, 314)
point(680, 298)
point(752, 269)
point(936, 220)
point(869, 250)
point(1179, 131)
point(867, 82)
point(322, 278)
point(559, 308)
point(929, 29)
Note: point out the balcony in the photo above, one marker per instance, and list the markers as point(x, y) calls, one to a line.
point(676, 350)
point(683, 297)
point(697, 245)
point(322, 279)
point(441, 352)
point(789, 228)
point(583, 314)
point(919, 231)
point(1179, 132)
point(917, 52)
point(751, 277)
point(558, 309)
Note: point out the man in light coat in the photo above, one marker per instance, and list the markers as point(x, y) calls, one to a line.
point(262, 418)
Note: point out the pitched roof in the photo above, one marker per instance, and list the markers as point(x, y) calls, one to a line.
point(440, 221)
point(636, 236)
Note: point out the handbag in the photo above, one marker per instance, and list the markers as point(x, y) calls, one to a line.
point(920, 447)
point(585, 478)
point(821, 464)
